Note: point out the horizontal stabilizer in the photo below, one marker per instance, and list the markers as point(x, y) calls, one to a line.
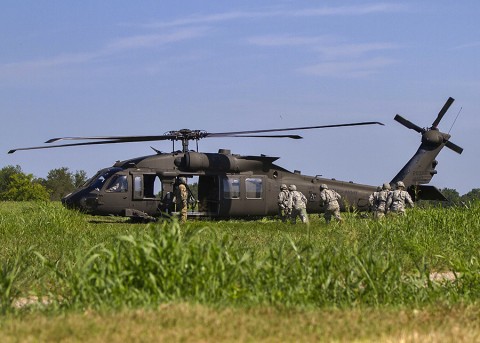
point(426, 192)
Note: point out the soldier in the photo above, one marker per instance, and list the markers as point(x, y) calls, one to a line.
point(397, 199)
point(297, 204)
point(181, 198)
point(329, 199)
point(283, 197)
point(371, 199)
point(380, 201)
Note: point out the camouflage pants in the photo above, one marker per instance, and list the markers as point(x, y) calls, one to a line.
point(182, 213)
point(398, 212)
point(378, 214)
point(332, 212)
point(300, 212)
point(284, 213)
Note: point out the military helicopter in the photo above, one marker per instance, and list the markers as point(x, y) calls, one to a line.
point(231, 185)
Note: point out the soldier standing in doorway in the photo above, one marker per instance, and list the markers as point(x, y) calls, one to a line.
point(181, 198)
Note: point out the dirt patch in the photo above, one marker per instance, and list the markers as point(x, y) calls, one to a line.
point(31, 300)
point(443, 276)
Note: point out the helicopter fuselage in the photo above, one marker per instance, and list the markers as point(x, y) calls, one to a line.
point(228, 186)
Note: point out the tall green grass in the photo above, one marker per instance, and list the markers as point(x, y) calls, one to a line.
point(88, 262)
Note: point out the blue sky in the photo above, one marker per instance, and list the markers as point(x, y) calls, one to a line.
point(70, 68)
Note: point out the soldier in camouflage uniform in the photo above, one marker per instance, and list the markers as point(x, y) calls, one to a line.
point(297, 204)
point(397, 199)
point(371, 199)
point(329, 200)
point(181, 198)
point(380, 201)
point(283, 198)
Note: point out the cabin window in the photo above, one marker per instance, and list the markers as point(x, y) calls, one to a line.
point(119, 183)
point(231, 188)
point(152, 186)
point(253, 187)
point(137, 187)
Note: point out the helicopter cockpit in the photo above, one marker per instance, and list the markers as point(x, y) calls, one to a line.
point(97, 181)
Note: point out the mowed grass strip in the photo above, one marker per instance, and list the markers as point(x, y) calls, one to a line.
point(197, 323)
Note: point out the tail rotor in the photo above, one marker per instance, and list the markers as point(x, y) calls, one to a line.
point(432, 136)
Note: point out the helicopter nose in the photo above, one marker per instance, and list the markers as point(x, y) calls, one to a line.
point(80, 201)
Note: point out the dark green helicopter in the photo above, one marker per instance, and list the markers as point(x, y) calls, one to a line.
point(230, 185)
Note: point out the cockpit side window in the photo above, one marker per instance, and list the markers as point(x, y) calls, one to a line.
point(100, 177)
point(119, 183)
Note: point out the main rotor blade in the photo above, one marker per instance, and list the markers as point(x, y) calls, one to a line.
point(66, 145)
point(408, 123)
point(454, 147)
point(224, 134)
point(264, 136)
point(124, 139)
point(444, 109)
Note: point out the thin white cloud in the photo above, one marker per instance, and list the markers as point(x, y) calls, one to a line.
point(327, 45)
point(336, 58)
point(354, 10)
point(353, 50)
point(115, 47)
point(347, 68)
point(286, 40)
point(468, 45)
point(210, 19)
point(152, 40)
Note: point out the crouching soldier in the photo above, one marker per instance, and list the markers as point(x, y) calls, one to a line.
point(397, 199)
point(298, 205)
point(329, 200)
point(380, 201)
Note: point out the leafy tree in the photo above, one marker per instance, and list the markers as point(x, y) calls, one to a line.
point(80, 177)
point(473, 195)
point(6, 173)
point(21, 187)
point(452, 196)
point(61, 181)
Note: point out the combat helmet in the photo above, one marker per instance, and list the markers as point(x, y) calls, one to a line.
point(379, 188)
point(182, 180)
point(386, 186)
point(292, 188)
point(323, 186)
point(283, 186)
point(400, 184)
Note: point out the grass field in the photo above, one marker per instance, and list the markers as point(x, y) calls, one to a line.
point(104, 278)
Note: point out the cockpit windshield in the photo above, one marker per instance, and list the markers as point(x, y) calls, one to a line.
point(99, 178)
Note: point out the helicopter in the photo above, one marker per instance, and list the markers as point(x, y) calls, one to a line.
point(232, 185)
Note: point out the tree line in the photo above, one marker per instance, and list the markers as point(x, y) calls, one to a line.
point(16, 185)
point(454, 198)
